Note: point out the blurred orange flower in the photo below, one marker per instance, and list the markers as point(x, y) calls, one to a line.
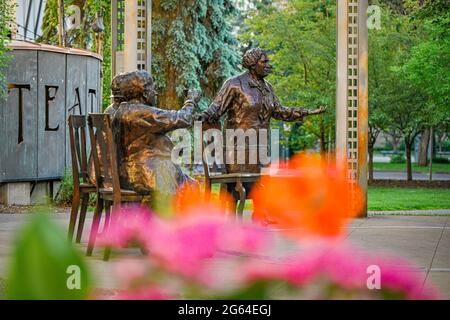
point(309, 195)
point(190, 199)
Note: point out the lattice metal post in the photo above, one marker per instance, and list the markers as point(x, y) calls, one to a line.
point(131, 35)
point(352, 90)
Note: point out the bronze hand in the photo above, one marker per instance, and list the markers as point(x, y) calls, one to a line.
point(321, 109)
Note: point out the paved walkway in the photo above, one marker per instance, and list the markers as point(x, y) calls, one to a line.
point(401, 175)
point(425, 240)
point(434, 212)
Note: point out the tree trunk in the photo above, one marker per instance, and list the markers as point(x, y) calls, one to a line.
point(61, 31)
point(395, 141)
point(423, 148)
point(167, 98)
point(408, 145)
point(430, 171)
point(370, 163)
point(323, 147)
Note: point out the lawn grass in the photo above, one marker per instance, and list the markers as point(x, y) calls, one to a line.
point(437, 167)
point(388, 199)
point(2, 289)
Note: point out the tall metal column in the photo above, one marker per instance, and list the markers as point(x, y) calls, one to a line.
point(352, 90)
point(131, 35)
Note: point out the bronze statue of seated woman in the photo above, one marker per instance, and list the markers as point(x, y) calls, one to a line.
point(140, 128)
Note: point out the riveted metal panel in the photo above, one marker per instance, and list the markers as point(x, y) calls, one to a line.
point(93, 97)
point(18, 139)
point(50, 84)
point(76, 92)
point(51, 115)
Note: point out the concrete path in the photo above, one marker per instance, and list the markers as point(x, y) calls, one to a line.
point(435, 212)
point(400, 175)
point(425, 240)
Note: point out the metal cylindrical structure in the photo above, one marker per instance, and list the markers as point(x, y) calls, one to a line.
point(45, 84)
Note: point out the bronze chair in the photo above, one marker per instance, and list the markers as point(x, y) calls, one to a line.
point(220, 176)
point(108, 188)
point(82, 186)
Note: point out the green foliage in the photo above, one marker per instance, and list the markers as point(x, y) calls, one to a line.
point(440, 160)
point(5, 19)
point(428, 67)
point(41, 264)
point(50, 23)
point(300, 139)
point(409, 71)
point(301, 36)
point(65, 192)
point(401, 167)
point(192, 47)
point(398, 158)
point(446, 145)
point(82, 37)
point(387, 46)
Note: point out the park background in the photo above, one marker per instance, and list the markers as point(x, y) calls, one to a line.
point(198, 44)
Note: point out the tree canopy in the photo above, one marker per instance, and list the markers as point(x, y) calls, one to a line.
point(5, 19)
point(301, 38)
point(198, 44)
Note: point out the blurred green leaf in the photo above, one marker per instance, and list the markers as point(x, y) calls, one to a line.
point(45, 265)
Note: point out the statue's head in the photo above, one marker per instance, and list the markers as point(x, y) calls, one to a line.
point(138, 85)
point(257, 62)
point(116, 90)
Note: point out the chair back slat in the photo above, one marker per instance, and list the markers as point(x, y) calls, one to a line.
point(78, 148)
point(105, 159)
point(208, 168)
point(84, 157)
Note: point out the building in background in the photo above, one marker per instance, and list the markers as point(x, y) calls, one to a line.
point(28, 19)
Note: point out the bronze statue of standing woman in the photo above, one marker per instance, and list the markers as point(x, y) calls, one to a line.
point(248, 102)
point(144, 150)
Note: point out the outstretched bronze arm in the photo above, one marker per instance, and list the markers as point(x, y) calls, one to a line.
point(293, 114)
point(162, 120)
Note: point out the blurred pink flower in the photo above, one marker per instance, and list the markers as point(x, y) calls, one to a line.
point(145, 293)
point(187, 242)
point(129, 224)
point(186, 247)
point(129, 271)
point(182, 244)
point(343, 266)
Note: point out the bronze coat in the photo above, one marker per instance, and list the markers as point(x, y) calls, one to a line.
point(249, 104)
point(144, 149)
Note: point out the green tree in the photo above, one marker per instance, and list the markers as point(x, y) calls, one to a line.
point(5, 19)
point(301, 37)
point(387, 46)
point(83, 37)
point(428, 66)
point(192, 47)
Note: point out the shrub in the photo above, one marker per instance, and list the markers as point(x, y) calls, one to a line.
point(440, 160)
point(65, 192)
point(446, 145)
point(398, 158)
